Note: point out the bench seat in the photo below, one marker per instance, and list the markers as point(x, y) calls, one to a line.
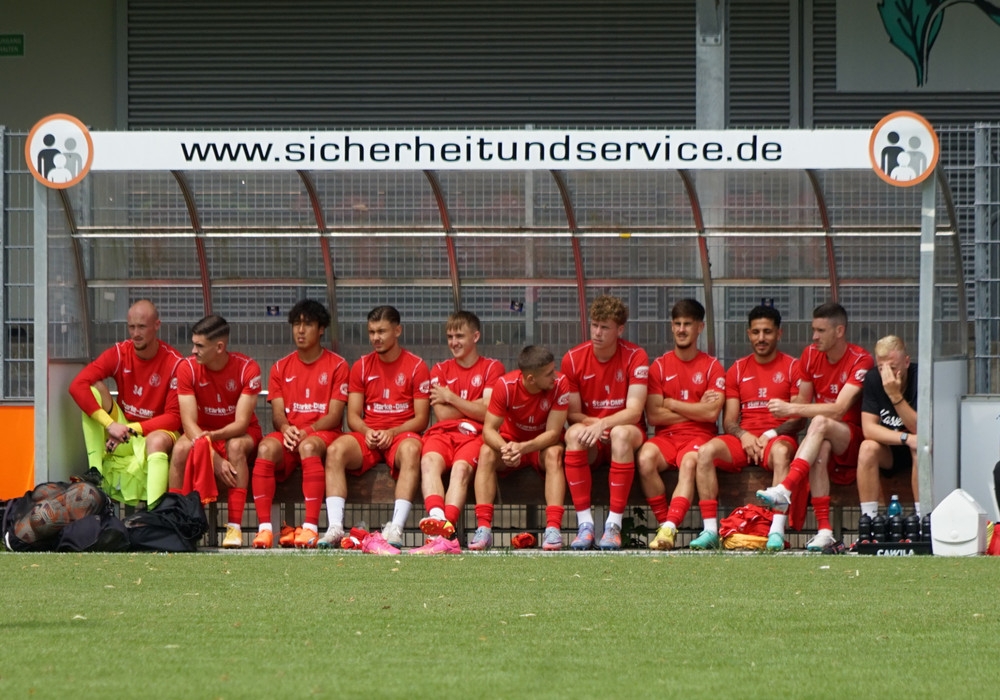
point(520, 502)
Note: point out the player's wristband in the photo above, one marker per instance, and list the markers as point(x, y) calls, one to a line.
point(103, 417)
point(770, 434)
point(135, 428)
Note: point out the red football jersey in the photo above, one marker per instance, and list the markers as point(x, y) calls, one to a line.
point(671, 377)
point(754, 384)
point(390, 388)
point(217, 393)
point(828, 378)
point(603, 386)
point(147, 389)
point(524, 414)
point(469, 383)
point(308, 389)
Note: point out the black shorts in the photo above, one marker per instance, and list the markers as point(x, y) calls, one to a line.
point(902, 460)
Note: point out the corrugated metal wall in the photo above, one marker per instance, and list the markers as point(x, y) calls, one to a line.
point(760, 64)
point(296, 63)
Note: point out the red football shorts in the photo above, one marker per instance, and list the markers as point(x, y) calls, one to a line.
point(255, 433)
point(673, 449)
point(370, 457)
point(290, 460)
point(453, 446)
point(739, 455)
point(843, 468)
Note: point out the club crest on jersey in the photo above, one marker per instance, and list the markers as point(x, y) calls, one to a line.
point(778, 378)
point(545, 404)
point(231, 385)
point(698, 378)
point(619, 376)
point(843, 377)
point(154, 379)
point(400, 379)
point(477, 380)
point(324, 379)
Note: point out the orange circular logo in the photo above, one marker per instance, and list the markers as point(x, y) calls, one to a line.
point(904, 149)
point(59, 151)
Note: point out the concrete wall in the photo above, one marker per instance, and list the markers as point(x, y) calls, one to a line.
point(68, 63)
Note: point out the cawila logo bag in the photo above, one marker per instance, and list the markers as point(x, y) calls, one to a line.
point(176, 524)
point(100, 532)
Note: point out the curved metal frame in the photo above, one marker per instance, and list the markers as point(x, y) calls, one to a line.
point(449, 237)
point(572, 226)
point(78, 263)
point(824, 216)
point(324, 245)
point(199, 237)
point(706, 264)
point(956, 246)
point(581, 283)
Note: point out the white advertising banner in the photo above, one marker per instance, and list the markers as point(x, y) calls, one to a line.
point(482, 150)
point(60, 150)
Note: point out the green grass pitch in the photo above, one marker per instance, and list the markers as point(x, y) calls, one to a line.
point(319, 624)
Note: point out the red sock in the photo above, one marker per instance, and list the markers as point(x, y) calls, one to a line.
point(679, 506)
point(620, 485)
point(235, 503)
point(658, 504)
point(313, 487)
point(578, 478)
point(821, 507)
point(179, 492)
point(554, 516)
point(797, 471)
point(262, 480)
point(452, 514)
point(709, 509)
point(484, 515)
point(433, 501)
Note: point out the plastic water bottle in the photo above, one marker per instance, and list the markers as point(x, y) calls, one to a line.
point(880, 528)
point(896, 528)
point(895, 507)
point(864, 529)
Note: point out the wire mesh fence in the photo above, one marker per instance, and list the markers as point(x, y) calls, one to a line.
point(502, 244)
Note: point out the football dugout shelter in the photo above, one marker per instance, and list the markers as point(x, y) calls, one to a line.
point(522, 227)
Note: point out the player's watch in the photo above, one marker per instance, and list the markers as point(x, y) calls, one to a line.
point(903, 437)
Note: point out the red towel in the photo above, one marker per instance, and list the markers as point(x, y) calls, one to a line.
point(199, 473)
